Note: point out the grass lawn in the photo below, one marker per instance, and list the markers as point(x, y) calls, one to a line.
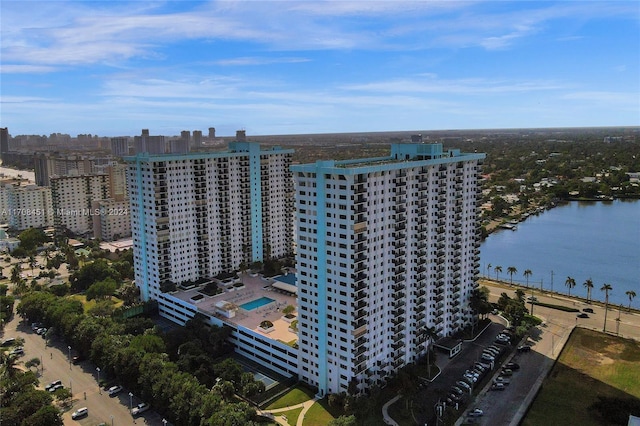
point(297, 395)
point(592, 364)
point(292, 415)
point(320, 414)
point(88, 304)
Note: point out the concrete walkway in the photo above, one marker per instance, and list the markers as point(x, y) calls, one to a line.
point(385, 411)
point(283, 420)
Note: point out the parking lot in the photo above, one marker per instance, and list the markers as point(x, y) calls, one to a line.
point(438, 390)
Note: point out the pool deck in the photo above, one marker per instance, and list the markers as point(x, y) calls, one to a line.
point(254, 288)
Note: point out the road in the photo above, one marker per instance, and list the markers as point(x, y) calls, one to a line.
point(81, 379)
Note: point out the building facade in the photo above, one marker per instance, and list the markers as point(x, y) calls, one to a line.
point(73, 197)
point(120, 146)
point(112, 221)
point(387, 256)
point(197, 215)
point(28, 206)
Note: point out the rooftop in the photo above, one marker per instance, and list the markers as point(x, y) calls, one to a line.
point(253, 299)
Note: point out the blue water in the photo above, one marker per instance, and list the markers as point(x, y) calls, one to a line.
point(582, 240)
point(255, 304)
point(287, 279)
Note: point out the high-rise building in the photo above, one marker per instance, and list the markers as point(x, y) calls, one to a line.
point(111, 219)
point(4, 142)
point(120, 146)
point(387, 252)
point(197, 215)
point(150, 144)
point(212, 132)
point(72, 199)
point(28, 206)
point(197, 139)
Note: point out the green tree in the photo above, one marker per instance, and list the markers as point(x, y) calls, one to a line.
point(497, 269)
point(31, 239)
point(630, 294)
point(46, 415)
point(606, 288)
point(102, 289)
point(570, 283)
point(344, 421)
point(511, 270)
point(289, 309)
point(527, 273)
point(588, 284)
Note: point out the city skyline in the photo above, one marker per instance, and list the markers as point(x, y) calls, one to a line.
point(316, 67)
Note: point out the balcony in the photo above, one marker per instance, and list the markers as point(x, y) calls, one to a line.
point(398, 286)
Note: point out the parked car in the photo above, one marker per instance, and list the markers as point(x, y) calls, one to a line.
point(476, 412)
point(524, 348)
point(463, 385)
point(114, 390)
point(36, 325)
point(501, 379)
point(17, 351)
point(140, 408)
point(507, 372)
point(532, 299)
point(8, 342)
point(457, 390)
point(77, 359)
point(80, 412)
point(512, 365)
point(498, 387)
point(56, 387)
point(589, 310)
point(582, 315)
point(52, 384)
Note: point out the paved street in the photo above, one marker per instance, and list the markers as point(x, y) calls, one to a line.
point(81, 379)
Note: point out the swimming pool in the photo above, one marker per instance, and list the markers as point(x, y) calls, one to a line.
point(287, 279)
point(255, 304)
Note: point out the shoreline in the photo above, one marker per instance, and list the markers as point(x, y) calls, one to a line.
point(529, 290)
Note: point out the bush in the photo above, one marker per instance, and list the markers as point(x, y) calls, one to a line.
point(266, 324)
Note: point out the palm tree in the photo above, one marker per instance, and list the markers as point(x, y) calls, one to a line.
point(511, 270)
point(570, 283)
point(497, 269)
point(527, 273)
point(488, 269)
point(631, 295)
point(606, 288)
point(588, 284)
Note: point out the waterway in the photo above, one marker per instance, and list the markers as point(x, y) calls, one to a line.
point(581, 240)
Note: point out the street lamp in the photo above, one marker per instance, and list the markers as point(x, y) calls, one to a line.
point(99, 389)
point(164, 422)
point(111, 420)
point(71, 387)
point(69, 347)
point(131, 403)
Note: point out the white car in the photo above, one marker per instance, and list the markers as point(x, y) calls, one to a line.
point(140, 408)
point(114, 390)
point(476, 412)
point(80, 412)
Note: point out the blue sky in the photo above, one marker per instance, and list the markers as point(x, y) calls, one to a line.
point(112, 68)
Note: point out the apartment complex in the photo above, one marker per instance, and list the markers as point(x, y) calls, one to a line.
point(197, 215)
point(387, 252)
point(73, 197)
point(27, 206)
point(111, 219)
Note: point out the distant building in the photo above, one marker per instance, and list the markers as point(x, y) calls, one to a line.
point(4, 142)
point(29, 206)
point(113, 220)
point(197, 139)
point(179, 146)
point(72, 199)
point(212, 132)
point(120, 146)
point(150, 144)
